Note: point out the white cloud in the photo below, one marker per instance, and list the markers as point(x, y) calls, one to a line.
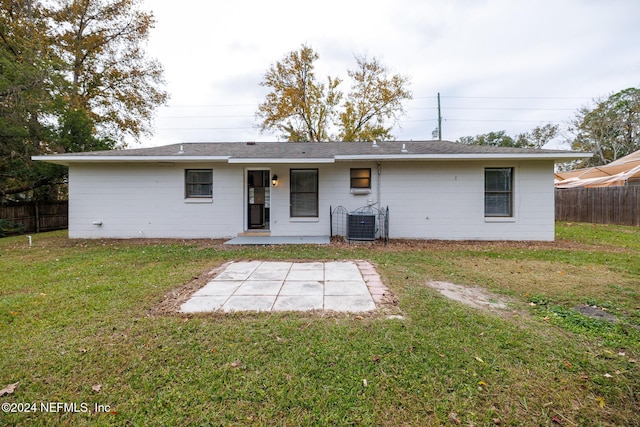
point(499, 64)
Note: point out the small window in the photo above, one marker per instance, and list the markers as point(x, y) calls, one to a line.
point(199, 183)
point(498, 192)
point(361, 178)
point(304, 192)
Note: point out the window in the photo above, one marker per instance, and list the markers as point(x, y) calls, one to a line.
point(199, 183)
point(361, 178)
point(498, 192)
point(304, 192)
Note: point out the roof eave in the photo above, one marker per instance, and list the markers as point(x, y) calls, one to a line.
point(556, 157)
point(235, 160)
point(67, 160)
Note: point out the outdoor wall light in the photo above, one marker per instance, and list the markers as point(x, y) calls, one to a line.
point(274, 180)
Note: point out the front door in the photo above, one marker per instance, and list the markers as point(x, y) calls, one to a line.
point(259, 198)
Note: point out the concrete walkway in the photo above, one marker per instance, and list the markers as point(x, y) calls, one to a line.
point(279, 240)
point(345, 286)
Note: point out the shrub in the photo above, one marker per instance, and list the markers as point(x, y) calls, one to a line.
point(8, 227)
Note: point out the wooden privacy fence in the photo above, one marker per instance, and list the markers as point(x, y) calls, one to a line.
point(37, 217)
point(601, 205)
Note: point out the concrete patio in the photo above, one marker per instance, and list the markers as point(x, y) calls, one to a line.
point(345, 286)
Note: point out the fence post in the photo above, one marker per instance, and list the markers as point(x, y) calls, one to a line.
point(37, 218)
point(330, 221)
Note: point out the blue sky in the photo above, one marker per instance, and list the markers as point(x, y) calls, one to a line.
point(498, 64)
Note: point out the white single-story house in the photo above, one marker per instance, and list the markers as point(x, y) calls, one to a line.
point(433, 189)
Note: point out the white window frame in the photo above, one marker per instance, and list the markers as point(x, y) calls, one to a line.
point(291, 192)
point(510, 192)
point(188, 195)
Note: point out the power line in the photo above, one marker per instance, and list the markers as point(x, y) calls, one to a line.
point(207, 117)
point(510, 109)
point(517, 97)
point(412, 99)
point(209, 105)
point(208, 128)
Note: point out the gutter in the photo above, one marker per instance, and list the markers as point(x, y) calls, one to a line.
point(233, 160)
point(66, 160)
point(557, 157)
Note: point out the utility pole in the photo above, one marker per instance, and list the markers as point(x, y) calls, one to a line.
point(439, 120)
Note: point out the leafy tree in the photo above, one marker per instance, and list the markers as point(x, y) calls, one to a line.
point(73, 77)
point(375, 98)
point(303, 109)
point(298, 106)
point(536, 138)
point(496, 139)
point(610, 130)
point(110, 77)
point(76, 133)
point(28, 80)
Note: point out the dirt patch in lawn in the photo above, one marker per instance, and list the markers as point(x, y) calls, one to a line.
point(172, 301)
point(474, 297)
point(595, 313)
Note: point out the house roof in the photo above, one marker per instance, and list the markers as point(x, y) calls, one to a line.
point(312, 152)
point(616, 173)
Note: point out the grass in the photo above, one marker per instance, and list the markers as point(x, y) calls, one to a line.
point(75, 315)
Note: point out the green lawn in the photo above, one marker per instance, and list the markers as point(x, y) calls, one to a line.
point(76, 326)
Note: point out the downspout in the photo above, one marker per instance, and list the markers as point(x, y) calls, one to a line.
point(378, 189)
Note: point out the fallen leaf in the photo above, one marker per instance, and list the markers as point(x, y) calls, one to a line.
point(607, 375)
point(621, 353)
point(9, 389)
point(236, 364)
point(479, 359)
point(556, 420)
point(364, 382)
point(375, 359)
point(454, 418)
point(600, 402)
point(497, 421)
point(96, 387)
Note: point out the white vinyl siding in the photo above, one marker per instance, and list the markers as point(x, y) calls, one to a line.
point(426, 200)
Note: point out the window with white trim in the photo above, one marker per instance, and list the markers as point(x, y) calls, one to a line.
point(198, 183)
point(498, 192)
point(303, 192)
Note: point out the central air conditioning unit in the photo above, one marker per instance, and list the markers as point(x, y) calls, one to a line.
point(361, 226)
